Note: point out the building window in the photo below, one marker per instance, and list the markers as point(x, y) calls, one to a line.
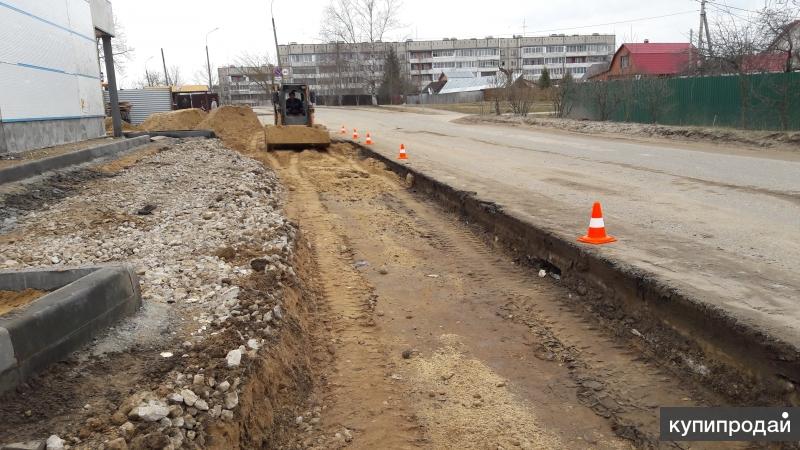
point(532, 61)
point(576, 48)
point(625, 62)
point(443, 53)
point(529, 50)
point(555, 49)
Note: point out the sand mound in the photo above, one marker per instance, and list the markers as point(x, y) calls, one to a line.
point(182, 119)
point(235, 125)
point(125, 126)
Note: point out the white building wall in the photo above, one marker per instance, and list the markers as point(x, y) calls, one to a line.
point(48, 61)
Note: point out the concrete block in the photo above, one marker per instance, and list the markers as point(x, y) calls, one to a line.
point(37, 167)
point(55, 325)
point(7, 359)
point(21, 136)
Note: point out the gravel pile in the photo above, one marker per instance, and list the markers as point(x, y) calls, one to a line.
point(195, 221)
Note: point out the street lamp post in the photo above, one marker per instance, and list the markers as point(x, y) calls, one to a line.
point(208, 60)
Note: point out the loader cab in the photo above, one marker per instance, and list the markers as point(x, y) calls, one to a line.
point(294, 105)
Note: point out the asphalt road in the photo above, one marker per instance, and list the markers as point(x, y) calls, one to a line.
point(720, 223)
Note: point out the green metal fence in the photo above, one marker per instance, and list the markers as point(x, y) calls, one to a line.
point(762, 101)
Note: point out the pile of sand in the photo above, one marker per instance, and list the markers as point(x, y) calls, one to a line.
point(235, 125)
point(125, 126)
point(182, 119)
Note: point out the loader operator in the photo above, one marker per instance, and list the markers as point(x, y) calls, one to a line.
point(294, 106)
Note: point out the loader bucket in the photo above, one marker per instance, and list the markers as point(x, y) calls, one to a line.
point(296, 137)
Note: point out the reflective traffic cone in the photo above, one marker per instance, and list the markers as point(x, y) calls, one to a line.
point(369, 139)
point(343, 130)
point(597, 228)
point(355, 134)
point(403, 154)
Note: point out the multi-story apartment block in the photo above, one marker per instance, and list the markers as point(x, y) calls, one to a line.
point(344, 69)
point(245, 85)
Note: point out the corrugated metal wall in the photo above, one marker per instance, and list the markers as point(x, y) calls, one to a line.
point(761, 101)
point(48, 61)
point(145, 102)
point(445, 99)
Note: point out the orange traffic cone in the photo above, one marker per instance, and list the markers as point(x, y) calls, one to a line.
point(597, 228)
point(343, 130)
point(402, 152)
point(355, 134)
point(369, 139)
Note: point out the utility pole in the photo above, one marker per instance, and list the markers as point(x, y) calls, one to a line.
point(208, 60)
point(703, 28)
point(275, 35)
point(166, 74)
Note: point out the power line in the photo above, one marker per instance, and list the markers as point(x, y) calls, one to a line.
point(640, 19)
point(617, 23)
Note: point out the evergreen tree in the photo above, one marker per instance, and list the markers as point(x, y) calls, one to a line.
point(393, 82)
point(544, 79)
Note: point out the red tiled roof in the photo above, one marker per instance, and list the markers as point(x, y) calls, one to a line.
point(659, 58)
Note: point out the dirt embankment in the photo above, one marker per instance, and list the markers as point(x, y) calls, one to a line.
point(182, 119)
point(217, 357)
point(126, 126)
point(235, 125)
point(771, 139)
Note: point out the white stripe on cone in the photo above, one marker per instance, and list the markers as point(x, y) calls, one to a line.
point(596, 223)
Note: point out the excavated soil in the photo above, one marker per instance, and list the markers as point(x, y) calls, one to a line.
point(126, 126)
point(182, 119)
point(12, 300)
point(235, 125)
point(437, 340)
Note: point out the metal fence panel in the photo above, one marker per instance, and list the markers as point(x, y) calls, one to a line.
point(761, 101)
point(145, 102)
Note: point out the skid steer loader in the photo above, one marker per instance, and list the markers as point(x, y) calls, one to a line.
point(294, 127)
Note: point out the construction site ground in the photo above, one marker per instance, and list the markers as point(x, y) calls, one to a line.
point(363, 315)
point(715, 221)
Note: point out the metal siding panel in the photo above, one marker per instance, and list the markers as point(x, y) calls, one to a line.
point(25, 98)
point(48, 87)
point(29, 41)
point(54, 11)
point(91, 95)
point(102, 16)
point(145, 102)
point(84, 58)
point(80, 17)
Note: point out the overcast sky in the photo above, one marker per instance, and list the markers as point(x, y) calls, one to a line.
point(180, 26)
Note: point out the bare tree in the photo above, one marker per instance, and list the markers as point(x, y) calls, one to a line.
point(122, 52)
point(563, 96)
point(603, 97)
point(363, 25)
point(151, 78)
point(200, 76)
point(778, 21)
point(259, 69)
point(175, 77)
point(653, 95)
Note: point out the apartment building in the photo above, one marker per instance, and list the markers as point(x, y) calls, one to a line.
point(343, 69)
point(245, 85)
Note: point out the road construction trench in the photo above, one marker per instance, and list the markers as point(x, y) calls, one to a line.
point(442, 342)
